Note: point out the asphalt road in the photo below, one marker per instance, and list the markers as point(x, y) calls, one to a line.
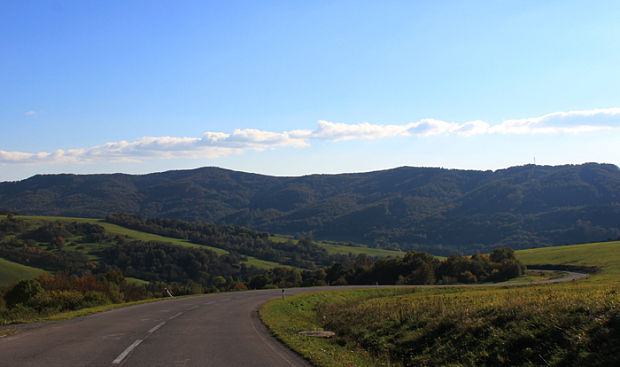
point(220, 330)
point(211, 330)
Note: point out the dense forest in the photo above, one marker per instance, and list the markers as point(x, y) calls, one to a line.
point(441, 211)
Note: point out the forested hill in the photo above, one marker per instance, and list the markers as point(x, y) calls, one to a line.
point(433, 209)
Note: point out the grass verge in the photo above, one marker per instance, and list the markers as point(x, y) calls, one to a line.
point(574, 324)
point(564, 324)
point(6, 332)
point(286, 318)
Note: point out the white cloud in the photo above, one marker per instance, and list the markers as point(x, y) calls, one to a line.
point(211, 145)
point(218, 144)
point(562, 122)
point(252, 139)
point(430, 127)
point(30, 113)
point(337, 131)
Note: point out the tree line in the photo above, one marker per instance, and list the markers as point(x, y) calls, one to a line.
point(303, 253)
point(96, 275)
point(412, 268)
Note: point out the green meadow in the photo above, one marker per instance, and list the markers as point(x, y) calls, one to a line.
point(340, 248)
point(605, 255)
point(564, 324)
point(11, 272)
point(337, 248)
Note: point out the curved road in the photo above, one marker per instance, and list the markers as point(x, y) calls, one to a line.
point(212, 330)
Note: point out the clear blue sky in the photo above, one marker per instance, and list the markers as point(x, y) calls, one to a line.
point(299, 87)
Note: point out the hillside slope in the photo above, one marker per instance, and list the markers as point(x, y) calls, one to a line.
point(431, 209)
point(11, 272)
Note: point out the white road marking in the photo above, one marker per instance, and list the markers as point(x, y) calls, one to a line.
point(115, 336)
point(175, 316)
point(154, 328)
point(122, 356)
point(135, 344)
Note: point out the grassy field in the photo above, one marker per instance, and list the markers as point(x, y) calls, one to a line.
point(11, 272)
point(335, 248)
point(143, 236)
point(565, 324)
point(605, 255)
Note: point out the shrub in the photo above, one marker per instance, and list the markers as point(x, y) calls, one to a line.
point(23, 292)
point(94, 298)
point(501, 254)
point(57, 301)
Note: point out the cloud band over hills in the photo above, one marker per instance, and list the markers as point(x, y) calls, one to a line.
point(218, 144)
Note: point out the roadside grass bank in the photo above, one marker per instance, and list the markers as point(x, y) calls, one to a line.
point(6, 332)
point(561, 324)
point(298, 313)
point(573, 324)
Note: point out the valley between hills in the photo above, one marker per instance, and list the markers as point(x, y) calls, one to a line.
point(74, 245)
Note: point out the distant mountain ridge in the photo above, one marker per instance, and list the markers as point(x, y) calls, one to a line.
point(432, 209)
